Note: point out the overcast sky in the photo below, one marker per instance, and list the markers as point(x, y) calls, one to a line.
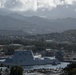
point(45, 8)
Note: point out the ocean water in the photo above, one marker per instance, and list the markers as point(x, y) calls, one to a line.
point(61, 65)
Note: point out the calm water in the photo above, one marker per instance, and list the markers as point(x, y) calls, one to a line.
point(62, 65)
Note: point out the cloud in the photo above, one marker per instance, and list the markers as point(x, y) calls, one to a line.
point(33, 5)
point(46, 8)
point(70, 1)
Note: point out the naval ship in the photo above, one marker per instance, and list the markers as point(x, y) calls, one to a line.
point(26, 58)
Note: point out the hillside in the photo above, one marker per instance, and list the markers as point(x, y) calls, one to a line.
point(36, 25)
point(13, 33)
point(66, 36)
point(55, 25)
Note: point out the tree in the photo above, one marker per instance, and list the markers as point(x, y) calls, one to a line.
point(70, 69)
point(0, 71)
point(6, 71)
point(16, 70)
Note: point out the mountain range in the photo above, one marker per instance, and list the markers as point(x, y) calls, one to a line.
point(35, 24)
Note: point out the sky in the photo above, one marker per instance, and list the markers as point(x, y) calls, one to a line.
point(44, 8)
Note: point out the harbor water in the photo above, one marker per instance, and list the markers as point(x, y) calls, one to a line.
point(49, 66)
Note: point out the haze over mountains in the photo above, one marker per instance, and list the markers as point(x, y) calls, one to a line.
point(35, 25)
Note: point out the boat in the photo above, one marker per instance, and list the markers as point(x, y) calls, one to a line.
point(26, 58)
